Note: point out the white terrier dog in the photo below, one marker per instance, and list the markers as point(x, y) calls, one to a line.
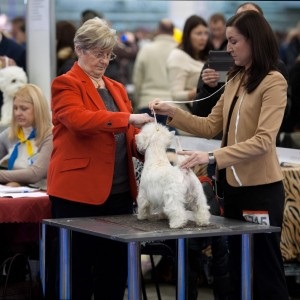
point(166, 190)
point(11, 79)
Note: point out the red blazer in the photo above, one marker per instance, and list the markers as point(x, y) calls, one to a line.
point(82, 162)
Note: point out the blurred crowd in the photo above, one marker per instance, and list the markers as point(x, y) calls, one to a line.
point(132, 42)
point(166, 63)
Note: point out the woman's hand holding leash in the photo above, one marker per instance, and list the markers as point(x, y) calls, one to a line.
point(162, 108)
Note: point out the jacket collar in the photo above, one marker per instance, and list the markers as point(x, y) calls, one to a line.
point(233, 87)
point(112, 86)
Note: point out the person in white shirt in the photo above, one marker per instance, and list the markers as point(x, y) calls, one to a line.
point(150, 76)
point(187, 60)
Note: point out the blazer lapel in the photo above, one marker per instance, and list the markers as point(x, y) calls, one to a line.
point(89, 87)
point(116, 94)
point(231, 93)
point(93, 94)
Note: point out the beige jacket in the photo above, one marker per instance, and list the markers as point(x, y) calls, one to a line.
point(250, 157)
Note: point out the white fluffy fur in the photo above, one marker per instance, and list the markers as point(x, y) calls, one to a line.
point(11, 79)
point(166, 190)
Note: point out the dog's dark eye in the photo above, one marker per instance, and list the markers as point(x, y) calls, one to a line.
point(13, 81)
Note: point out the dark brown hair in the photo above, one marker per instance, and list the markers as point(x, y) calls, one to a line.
point(257, 31)
point(65, 32)
point(192, 22)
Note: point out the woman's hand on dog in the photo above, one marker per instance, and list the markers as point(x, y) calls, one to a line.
point(138, 120)
point(162, 108)
point(193, 159)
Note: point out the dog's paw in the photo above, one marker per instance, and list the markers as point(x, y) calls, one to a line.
point(202, 217)
point(177, 222)
point(158, 216)
point(142, 216)
point(202, 222)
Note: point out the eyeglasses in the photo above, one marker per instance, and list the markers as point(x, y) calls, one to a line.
point(102, 55)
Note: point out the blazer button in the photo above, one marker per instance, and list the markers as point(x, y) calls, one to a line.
point(109, 124)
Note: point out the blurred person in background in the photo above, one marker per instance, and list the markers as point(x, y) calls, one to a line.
point(186, 61)
point(292, 48)
point(150, 76)
point(294, 82)
point(18, 30)
point(11, 54)
point(249, 6)
point(126, 50)
point(217, 30)
point(65, 32)
point(90, 14)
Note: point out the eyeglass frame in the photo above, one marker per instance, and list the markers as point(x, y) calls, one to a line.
point(101, 55)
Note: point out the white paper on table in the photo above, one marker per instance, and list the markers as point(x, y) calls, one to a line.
point(20, 191)
point(24, 195)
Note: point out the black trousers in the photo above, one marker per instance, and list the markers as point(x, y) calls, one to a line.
point(268, 272)
point(99, 266)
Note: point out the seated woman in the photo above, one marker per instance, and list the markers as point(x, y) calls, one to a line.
point(26, 145)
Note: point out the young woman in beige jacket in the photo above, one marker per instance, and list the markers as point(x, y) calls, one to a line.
point(253, 190)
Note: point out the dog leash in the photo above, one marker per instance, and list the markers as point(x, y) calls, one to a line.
point(192, 101)
point(155, 119)
point(204, 98)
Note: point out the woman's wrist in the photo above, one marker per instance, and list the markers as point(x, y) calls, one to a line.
point(192, 94)
point(171, 112)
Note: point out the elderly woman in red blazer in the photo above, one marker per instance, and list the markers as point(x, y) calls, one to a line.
point(91, 171)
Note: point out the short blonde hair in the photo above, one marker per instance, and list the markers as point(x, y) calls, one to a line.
point(31, 93)
point(95, 33)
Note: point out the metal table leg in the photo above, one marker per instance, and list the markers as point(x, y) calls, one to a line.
point(181, 269)
point(246, 292)
point(42, 251)
point(134, 274)
point(64, 263)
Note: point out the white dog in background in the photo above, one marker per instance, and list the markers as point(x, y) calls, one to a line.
point(166, 190)
point(11, 79)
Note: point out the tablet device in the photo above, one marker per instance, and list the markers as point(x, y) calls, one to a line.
point(221, 61)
